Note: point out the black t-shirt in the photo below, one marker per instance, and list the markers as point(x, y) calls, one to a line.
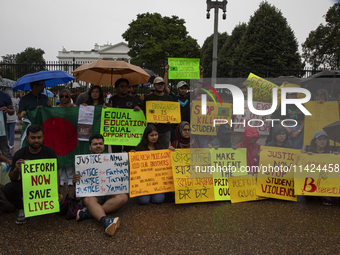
point(185, 106)
point(161, 127)
point(24, 153)
point(127, 102)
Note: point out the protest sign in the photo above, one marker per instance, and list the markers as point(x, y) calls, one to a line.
point(259, 122)
point(184, 68)
point(204, 124)
point(102, 174)
point(122, 126)
point(262, 89)
point(189, 190)
point(322, 115)
point(85, 122)
point(163, 112)
point(40, 186)
point(275, 178)
point(317, 175)
point(243, 188)
point(225, 163)
point(200, 163)
point(150, 172)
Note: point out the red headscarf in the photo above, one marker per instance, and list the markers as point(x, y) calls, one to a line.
point(252, 148)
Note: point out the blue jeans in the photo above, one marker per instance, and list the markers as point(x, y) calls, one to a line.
point(155, 198)
point(66, 173)
point(10, 131)
point(4, 148)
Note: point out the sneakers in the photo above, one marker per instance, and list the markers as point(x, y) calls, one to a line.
point(83, 214)
point(62, 184)
point(70, 183)
point(326, 201)
point(21, 219)
point(111, 225)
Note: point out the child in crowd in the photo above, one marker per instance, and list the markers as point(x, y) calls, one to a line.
point(223, 139)
point(150, 142)
point(280, 137)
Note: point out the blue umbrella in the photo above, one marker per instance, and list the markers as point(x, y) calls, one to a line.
point(47, 93)
point(50, 78)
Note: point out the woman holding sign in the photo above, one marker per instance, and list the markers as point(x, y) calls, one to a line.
point(183, 137)
point(150, 142)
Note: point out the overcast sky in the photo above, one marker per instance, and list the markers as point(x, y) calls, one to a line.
point(79, 24)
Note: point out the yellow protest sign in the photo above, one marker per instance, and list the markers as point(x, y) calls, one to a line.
point(322, 115)
point(243, 188)
point(184, 68)
point(189, 190)
point(204, 124)
point(200, 163)
point(150, 172)
point(275, 178)
point(163, 112)
point(40, 187)
point(317, 175)
point(262, 89)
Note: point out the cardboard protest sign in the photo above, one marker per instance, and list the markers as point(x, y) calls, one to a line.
point(122, 126)
point(150, 172)
point(163, 112)
point(262, 89)
point(317, 175)
point(102, 174)
point(40, 186)
point(243, 188)
point(226, 162)
point(184, 68)
point(200, 163)
point(275, 178)
point(204, 124)
point(189, 190)
point(322, 115)
point(260, 120)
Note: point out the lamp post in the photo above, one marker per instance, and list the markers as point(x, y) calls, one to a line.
point(216, 5)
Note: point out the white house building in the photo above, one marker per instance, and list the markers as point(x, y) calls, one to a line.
point(108, 52)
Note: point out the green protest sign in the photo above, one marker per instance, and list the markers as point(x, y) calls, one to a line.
point(184, 68)
point(40, 186)
point(122, 126)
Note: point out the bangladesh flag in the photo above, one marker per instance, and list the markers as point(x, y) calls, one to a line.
point(60, 129)
point(174, 68)
point(151, 111)
point(223, 111)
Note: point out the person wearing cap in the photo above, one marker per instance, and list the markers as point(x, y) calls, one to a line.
point(223, 138)
point(164, 129)
point(320, 144)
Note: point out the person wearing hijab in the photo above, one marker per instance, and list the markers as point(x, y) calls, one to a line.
point(183, 137)
point(280, 137)
point(250, 137)
point(223, 138)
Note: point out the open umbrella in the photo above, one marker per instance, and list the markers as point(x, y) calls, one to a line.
point(73, 85)
point(6, 83)
point(47, 93)
point(152, 75)
point(333, 131)
point(50, 78)
point(329, 80)
point(107, 72)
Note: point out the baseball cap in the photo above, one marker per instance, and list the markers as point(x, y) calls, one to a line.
point(320, 133)
point(181, 84)
point(158, 80)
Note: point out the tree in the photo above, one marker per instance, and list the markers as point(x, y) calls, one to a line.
point(153, 38)
point(269, 41)
point(207, 52)
point(322, 47)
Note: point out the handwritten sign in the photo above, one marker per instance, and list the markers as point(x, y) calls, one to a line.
point(102, 174)
point(189, 190)
point(184, 68)
point(200, 163)
point(275, 179)
point(260, 120)
point(322, 115)
point(243, 188)
point(317, 175)
point(151, 172)
point(262, 89)
point(203, 124)
point(40, 187)
point(122, 126)
point(163, 112)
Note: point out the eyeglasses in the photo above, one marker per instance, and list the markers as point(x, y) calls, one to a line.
point(160, 84)
point(66, 96)
point(186, 129)
point(124, 87)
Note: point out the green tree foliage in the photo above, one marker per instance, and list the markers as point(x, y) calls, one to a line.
point(269, 41)
point(153, 38)
point(207, 51)
point(322, 47)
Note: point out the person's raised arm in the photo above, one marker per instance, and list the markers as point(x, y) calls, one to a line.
point(166, 74)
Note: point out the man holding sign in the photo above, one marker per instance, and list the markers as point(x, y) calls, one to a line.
point(98, 207)
point(35, 150)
